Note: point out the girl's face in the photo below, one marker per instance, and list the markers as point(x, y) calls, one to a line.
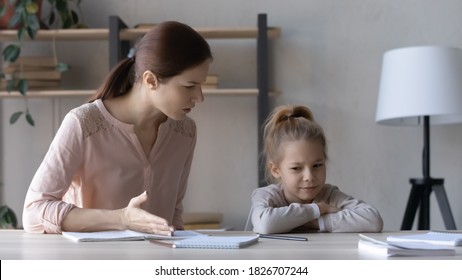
point(179, 94)
point(302, 170)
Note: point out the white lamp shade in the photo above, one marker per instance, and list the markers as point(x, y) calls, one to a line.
point(420, 81)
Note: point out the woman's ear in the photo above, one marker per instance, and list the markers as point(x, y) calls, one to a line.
point(150, 80)
point(274, 169)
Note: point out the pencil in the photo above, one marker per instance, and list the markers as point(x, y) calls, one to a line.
point(284, 237)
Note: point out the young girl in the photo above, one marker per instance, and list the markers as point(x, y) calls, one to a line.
point(122, 160)
point(300, 200)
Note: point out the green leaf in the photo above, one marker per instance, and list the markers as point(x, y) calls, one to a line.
point(62, 67)
point(3, 211)
point(10, 85)
point(29, 119)
point(15, 20)
point(15, 117)
point(21, 34)
point(3, 10)
point(11, 53)
point(23, 86)
point(32, 8)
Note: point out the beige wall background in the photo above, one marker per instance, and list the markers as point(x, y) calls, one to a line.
point(328, 58)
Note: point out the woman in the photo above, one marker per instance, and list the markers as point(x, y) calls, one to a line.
point(122, 160)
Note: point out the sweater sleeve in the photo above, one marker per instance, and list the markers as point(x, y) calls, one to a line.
point(271, 214)
point(44, 208)
point(355, 215)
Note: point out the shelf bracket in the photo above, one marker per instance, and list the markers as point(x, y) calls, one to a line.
point(118, 49)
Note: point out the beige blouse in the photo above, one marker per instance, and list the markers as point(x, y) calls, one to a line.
point(96, 161)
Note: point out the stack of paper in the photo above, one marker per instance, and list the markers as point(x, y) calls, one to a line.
point(368, 244)
point(432, 237)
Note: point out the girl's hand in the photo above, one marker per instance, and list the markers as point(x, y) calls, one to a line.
point(325, 208)
point(137, 219)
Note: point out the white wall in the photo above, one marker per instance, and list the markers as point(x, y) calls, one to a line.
point(328, 58)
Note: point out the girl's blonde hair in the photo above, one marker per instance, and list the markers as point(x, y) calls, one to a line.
point(289, 123)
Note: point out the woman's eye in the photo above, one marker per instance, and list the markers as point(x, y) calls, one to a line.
point(189, 87)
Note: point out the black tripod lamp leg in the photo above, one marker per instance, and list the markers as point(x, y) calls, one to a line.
point(443, 202)
point(411, 208)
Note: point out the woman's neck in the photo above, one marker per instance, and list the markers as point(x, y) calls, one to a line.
point(132, 109)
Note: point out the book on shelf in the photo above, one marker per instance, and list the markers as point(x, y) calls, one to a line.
point(202, 217)
point(35, 84)
point(35, 61)
point(47, 75)
point(211, 242)
point(369, 245)
point(198, 226)
point(145, 25)
point(432, 237)
point(211, 82)
point(126, 235)
point(202, 220)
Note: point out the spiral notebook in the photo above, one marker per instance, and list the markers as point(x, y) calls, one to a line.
point(211, 242)
point(432, 237)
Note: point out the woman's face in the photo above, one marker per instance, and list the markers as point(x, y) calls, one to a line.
point(302, 170)
point(179, 94)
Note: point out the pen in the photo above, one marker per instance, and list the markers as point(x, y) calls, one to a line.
point(284, 237)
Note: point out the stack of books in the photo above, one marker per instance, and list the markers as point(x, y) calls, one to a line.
point(211, 82)
point(202, 220)
point(39, 71)
point(428, 244)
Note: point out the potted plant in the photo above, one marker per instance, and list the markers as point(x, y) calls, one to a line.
point(23, 15)
point(8, 218)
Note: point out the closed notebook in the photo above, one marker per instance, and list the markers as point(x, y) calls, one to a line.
point(212, 242)
point(125, 235)
point(409, 249)
point(432, 237)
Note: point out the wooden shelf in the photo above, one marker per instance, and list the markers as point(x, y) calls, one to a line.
point(89, 92)
point(134, 33)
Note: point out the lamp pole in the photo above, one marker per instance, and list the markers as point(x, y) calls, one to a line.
point(421, 190)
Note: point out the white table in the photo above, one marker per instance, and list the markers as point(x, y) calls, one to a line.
point(18, 245)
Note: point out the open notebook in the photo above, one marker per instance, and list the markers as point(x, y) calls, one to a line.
point(124, 235)
point(211, 242)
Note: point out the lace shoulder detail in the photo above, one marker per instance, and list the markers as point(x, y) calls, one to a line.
point(186, 127)
point(91, 119)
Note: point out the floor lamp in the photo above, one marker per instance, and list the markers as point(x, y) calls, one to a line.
point(422, 86)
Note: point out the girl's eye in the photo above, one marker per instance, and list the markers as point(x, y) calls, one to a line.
point(295, 168)
point(189, 87)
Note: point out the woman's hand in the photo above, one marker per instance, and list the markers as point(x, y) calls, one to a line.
point(135, 218)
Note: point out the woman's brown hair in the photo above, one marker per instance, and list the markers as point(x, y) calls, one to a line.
point(166, 50)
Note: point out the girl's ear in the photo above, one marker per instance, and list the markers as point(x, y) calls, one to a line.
point(150, 80)
point(274, 169)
